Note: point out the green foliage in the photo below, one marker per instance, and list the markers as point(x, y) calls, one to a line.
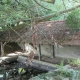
point(61, 70)
point(73, 20)
point(45, 76)
point(60, 67)
point(74, 62)
point(55, 75)
point(21, 70)
point(14, 11)
point(60, 73)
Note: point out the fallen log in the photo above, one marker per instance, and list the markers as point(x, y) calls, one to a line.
point(12, 57)
point(24, 60)
point(12, 54)
point(6, 60)
point(43, 65)
point(37, 64)
point(17, 54)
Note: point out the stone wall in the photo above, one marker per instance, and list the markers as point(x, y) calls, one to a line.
point(68, 51)
point(60, 51)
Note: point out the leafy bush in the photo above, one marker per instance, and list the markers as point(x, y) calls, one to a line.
point(59, 74)
point(74, 62)
point(73, 20)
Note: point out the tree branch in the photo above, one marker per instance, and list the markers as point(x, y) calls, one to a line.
point(48, 17)
point(41, 5)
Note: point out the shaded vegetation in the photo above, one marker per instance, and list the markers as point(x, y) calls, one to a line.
point(63, 73)
point(73, 20)
point(11, 72)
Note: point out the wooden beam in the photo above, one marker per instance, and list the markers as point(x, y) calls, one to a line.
point(53, 51)
point(39, 51)
point(2, 49)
